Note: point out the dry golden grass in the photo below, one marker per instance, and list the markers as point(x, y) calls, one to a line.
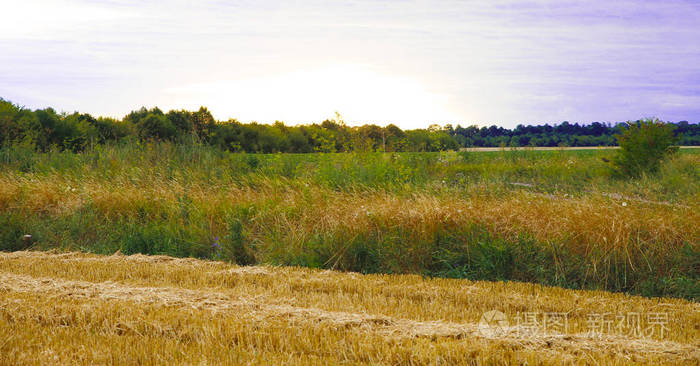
point(586, 221)
point(613, 243)
point(72, 308)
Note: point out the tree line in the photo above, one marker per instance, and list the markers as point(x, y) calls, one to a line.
point(45, 129)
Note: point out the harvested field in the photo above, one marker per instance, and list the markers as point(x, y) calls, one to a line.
point(74, 308)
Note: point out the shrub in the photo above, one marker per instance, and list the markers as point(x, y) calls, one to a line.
point(643, 146)
point(235, 248)
point(12, 229)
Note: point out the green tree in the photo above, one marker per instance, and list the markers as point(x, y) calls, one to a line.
point(9, 130)
point(203, 122)
point(156, 127)
point(395, 138)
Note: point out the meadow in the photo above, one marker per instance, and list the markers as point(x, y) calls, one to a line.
point(557, 218)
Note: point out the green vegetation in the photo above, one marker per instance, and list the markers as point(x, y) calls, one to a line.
point(552, 217)
point(44, 130)
point(643, 146)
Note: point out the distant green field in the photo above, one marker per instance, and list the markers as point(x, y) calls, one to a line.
point(553, 217)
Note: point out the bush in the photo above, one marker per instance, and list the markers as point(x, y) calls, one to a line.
point(12, 230)
point(643, 146)
point(234, 247)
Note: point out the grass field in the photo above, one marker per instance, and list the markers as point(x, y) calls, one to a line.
point(73, 308)
point(550, 217)
point(439, 241)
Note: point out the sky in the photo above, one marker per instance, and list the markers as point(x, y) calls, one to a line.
point(411, 63)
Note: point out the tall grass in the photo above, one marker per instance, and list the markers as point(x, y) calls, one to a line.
point(551, 217)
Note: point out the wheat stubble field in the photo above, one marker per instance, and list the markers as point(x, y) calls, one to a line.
point(72, 308)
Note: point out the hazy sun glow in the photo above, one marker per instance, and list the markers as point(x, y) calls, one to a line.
point(312, 95)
